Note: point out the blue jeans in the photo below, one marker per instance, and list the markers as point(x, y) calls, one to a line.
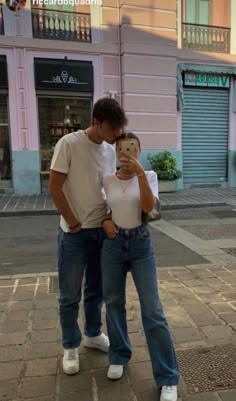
point(79, 255)
point(132, 250)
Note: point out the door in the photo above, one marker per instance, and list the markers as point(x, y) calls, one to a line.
point(198, 12)
point(5, 152)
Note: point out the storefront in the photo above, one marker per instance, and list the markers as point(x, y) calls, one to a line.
point(205, 128)
point(5, 153)
point(64, 90)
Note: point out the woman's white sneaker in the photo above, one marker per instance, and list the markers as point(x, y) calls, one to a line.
point(100, 342)
point(169, 393)
point(115, 372)
point(70, 361)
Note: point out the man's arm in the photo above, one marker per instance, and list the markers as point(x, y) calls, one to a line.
point(56, 182)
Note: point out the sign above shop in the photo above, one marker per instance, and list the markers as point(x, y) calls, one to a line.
point(67, 75)
point(206, 80)
point(3, 73)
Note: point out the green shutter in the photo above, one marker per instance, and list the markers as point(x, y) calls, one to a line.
point(205, 135)
point(204, 12)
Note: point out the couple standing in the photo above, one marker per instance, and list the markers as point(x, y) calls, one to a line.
point(101, 245)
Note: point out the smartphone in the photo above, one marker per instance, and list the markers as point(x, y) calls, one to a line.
point(128, 148)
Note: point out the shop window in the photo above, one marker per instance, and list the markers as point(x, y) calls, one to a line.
point(59, 117)
point(5, 154)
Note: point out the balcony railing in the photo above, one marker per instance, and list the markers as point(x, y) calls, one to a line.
point(206, 38)
point(1, 21)
point(61, 25)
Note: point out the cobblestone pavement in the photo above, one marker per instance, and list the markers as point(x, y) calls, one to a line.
point(188, 197)
point(200, 305)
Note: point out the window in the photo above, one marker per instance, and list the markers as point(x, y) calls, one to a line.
point(57, 117)
point(197, 12)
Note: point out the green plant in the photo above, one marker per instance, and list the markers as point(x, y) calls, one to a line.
point(165, 166)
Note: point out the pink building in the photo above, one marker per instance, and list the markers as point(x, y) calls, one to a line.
point(172, 65)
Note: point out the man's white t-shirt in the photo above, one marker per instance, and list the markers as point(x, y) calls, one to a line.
point(123, 198)
point(85, 163)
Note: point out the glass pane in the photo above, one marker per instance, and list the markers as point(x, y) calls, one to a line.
point(204, 12)
point(58, 117)
point(5, 154)
point(191, 11)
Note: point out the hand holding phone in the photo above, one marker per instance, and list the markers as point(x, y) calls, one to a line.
point(128, 148)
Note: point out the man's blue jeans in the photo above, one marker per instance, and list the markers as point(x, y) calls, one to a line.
point(132, 250)
point(80, 253)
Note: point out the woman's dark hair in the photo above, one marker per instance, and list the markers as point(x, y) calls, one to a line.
point(109, 110)
point(129, 135)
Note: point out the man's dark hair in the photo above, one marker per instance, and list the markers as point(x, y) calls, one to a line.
point(129, 135)
point(109, 110)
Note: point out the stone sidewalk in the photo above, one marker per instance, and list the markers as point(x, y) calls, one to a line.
point(43, 204)
point(200, 305)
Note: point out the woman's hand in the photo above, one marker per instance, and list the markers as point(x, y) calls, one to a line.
point(110, 229)
point(131, 164)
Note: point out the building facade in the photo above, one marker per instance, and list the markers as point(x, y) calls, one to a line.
point(171, 64)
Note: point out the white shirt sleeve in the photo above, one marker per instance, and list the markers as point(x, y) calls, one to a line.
point(153, 182)
point(112, 164)
point(62, 157)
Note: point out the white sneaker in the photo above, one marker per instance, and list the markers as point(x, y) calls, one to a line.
point(115, 372)
point(70, 361)
point(169, 393)
point(100, 342)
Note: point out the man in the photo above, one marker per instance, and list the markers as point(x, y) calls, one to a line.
point(79, 162)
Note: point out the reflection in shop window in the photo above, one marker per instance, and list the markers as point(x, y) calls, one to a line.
point(59, 117)
point(5, 154)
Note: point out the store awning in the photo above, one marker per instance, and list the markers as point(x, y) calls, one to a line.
point(3, 73)
point(206, 69)
point(64, 74)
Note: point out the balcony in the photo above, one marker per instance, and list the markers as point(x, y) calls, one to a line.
point(61, 25)
point(1, 21)
point(206, 38)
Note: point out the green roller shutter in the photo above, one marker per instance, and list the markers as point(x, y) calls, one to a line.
point(205, 135)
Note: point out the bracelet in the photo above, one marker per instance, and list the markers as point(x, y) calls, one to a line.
point(106, 219)
point(72, 227)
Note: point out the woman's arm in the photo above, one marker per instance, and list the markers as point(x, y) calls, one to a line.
point(147, 199)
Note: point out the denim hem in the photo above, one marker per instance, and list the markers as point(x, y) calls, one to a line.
point(71, 346)
point(117, 361)
point(167, 382)
point(93, 334)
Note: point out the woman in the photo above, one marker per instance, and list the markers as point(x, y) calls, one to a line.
point(127, 247)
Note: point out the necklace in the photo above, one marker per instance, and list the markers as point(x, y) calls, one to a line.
point(124, 186)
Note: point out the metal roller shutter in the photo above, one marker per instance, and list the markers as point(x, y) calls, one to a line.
point(205, 135)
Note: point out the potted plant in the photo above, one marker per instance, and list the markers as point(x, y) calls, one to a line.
point(165, 166)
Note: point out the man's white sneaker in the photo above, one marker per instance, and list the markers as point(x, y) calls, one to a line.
point(70, 361)
point(169, 393)
point(100, 342)
point(115, 372)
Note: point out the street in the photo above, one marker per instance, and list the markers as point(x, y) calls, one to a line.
point(195, 253)
point(182, 237)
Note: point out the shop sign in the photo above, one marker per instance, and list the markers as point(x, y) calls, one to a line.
point(3, 72)
point(209, 80)
point(61, 131)
point(69, 75)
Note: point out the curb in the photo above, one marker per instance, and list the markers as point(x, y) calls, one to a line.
point(54, 212)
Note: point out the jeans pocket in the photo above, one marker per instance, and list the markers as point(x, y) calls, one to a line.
point(73, 234)
point(111, 239)
point(144, 234)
